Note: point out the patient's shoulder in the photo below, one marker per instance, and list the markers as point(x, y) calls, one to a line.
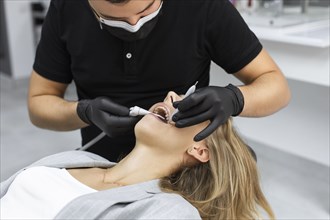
point(69, 159)
point(174, 205)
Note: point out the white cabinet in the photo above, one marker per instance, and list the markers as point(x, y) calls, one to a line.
point(21, 45)
point(302, 128)
point(301, 51)
point(304, 63)
point(22, 34)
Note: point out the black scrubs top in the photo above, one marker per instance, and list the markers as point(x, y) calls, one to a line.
point(189, 35)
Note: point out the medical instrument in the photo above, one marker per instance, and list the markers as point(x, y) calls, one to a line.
point(133, 111)
point(96, 139)
point(136, 110)
point(190, 91)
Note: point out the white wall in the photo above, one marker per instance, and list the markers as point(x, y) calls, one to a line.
point(302, 128)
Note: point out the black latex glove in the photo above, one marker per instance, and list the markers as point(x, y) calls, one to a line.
point(112, 118)
point(212, 103)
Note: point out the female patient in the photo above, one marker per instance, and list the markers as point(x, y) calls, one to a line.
point(166, 176)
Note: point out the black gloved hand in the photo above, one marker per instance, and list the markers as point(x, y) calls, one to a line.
point(112, 118)
point(212, 103)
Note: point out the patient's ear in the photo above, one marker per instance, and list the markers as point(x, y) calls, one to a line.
point(199, 151)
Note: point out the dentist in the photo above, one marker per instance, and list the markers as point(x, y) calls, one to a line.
point(123, 53)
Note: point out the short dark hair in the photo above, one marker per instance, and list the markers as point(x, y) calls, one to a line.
point(117, 1)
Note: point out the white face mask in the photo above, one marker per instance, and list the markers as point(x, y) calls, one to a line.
point(126, 26)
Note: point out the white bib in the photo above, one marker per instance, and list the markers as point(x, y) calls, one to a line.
point(40, 193)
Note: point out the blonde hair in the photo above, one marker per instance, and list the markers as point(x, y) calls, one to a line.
point(226, 187)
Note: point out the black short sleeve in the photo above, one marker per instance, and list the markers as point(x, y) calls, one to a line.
point(52, 60)
point(230, 42)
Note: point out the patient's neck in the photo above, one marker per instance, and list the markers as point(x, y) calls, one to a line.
point(144, 163)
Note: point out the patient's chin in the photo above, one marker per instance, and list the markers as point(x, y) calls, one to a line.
point(146, 129)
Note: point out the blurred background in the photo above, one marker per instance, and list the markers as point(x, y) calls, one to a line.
point(292, 146)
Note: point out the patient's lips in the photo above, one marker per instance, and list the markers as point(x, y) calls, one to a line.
point(159, 116)
point(162, 112)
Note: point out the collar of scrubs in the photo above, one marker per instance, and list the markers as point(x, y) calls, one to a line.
point(127, 26)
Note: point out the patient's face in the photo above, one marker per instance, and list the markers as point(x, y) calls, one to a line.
point(161, 133)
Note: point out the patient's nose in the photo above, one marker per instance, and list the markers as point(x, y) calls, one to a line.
point(172, 97)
